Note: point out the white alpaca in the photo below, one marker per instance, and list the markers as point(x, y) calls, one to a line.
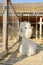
point(28, 47)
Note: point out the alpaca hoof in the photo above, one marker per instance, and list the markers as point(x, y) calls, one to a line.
point(30, 54)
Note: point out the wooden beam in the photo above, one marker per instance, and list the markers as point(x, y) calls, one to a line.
point(5, 26)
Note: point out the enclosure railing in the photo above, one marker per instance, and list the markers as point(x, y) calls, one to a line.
point(10, 27)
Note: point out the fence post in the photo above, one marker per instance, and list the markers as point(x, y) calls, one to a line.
point(5, 25)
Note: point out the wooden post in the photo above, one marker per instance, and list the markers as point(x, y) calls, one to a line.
point(5, 26)
point(36, 28)
point(40, 29)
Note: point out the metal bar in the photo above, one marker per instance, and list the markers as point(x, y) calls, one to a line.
point(13, 9)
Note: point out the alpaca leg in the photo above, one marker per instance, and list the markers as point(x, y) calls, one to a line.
point(21, 50)
point(30, 54)
point(31, 51)
point(23, 53)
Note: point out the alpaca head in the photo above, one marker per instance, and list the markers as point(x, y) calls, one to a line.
point(26, 30)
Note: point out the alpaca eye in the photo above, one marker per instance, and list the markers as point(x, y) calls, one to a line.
point(25, 27)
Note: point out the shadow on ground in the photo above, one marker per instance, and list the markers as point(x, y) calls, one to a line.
point(39, 48)
point(13, 58)
point(13, 55)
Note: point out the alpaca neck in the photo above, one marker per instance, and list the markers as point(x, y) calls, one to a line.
point(24, 40)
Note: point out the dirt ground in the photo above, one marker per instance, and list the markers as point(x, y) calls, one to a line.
point(15, 58)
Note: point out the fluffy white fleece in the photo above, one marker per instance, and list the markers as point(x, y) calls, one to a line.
point(28, 47)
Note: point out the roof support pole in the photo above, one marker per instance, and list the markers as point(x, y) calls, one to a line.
point(36, 28)
point(40, 28)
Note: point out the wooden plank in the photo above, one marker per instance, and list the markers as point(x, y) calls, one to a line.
point(5, 26)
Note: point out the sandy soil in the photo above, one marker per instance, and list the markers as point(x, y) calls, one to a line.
point(15, 58)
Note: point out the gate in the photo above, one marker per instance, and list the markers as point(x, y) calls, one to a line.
point(9, 34)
